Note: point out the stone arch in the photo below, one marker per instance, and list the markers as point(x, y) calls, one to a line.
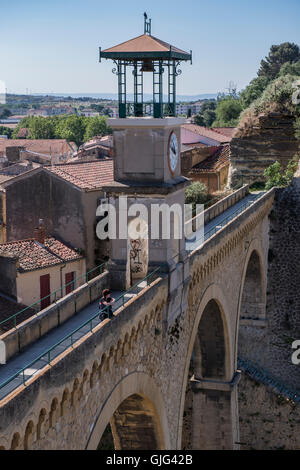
point(53, 415)
point(16, 441)
point(253, 292)
point(138, 395)
point(252, 295)
point(65, 402)
point(93, 376)
point(28, 438)
point(208, 372)
point(41, 423)
point(209, 353)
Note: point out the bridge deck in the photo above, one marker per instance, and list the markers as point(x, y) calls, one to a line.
point(218, 222)
point(34, 351)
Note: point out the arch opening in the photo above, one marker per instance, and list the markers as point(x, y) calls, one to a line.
point(133, 426)
point(252, 304)
point(208, 361)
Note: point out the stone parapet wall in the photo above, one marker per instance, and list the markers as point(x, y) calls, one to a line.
point(221, 206)
point(57, 313)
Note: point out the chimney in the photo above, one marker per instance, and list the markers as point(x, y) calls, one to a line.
point(40, 232)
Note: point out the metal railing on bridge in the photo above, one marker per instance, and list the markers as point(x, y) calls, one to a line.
point(36, 307)
point(266, 378)
point(208, 234)
point(24, 374)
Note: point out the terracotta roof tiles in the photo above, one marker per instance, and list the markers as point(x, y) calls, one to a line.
point(206, 132)
point(33, 255)
point(44, 146)
point(214, 162)
point(86, 175)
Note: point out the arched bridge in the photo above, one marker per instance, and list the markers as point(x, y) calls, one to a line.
point(163, 372)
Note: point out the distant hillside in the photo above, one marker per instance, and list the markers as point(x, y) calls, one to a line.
point(114, 96)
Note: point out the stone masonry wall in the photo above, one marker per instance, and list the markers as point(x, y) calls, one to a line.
point(270, 347)
point(252, 152)
point(267, 420)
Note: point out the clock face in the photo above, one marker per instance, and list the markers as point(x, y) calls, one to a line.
point(173, 152)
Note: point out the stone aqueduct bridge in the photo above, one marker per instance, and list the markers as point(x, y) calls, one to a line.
point(134, 371)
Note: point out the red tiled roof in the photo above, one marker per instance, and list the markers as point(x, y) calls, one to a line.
point(23, 133)
point(228, 131)
point(205, 132)
point(33, 255)
point(8, 308)
point(214, 162)
point(86, 175)
point(198, 145)
point(44, 146)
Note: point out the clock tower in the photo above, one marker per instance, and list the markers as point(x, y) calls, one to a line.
point(147, 164)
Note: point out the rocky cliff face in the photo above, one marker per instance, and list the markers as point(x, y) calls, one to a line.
point(259, 143)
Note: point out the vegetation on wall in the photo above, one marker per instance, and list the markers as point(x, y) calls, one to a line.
point(274, 83)
point(276, 176)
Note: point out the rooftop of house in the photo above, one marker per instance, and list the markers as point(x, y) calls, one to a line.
point(43, 146)
point(11, 171)
point(213, 134)
point(86, 175)
point(9, 307)
point(23, 133)
point(228, 131)
point(106, 141)
point(216, 161)
point(34, 255)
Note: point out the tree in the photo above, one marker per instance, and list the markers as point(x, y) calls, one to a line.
point(96, 126)
point(278, 55)
point(297, 128)
point(6, 131)
point(207, 114)
point(72, 128)
point(5, 113)
point(42, 128)
point(290, 68)
point(196, 193)
point(253, 91)
point(228, 111)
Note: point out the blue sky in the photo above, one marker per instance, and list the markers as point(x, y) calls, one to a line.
point(52, 46)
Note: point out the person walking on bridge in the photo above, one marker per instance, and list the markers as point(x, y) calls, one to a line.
point(105, 304)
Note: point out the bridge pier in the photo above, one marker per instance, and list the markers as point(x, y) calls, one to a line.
point(215, 414)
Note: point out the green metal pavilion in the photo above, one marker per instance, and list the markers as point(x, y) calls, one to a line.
point(146, 53)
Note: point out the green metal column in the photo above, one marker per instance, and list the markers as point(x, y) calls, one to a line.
point(138, 90)
point(172, 88)
point(122, 88)
point(158, 90)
